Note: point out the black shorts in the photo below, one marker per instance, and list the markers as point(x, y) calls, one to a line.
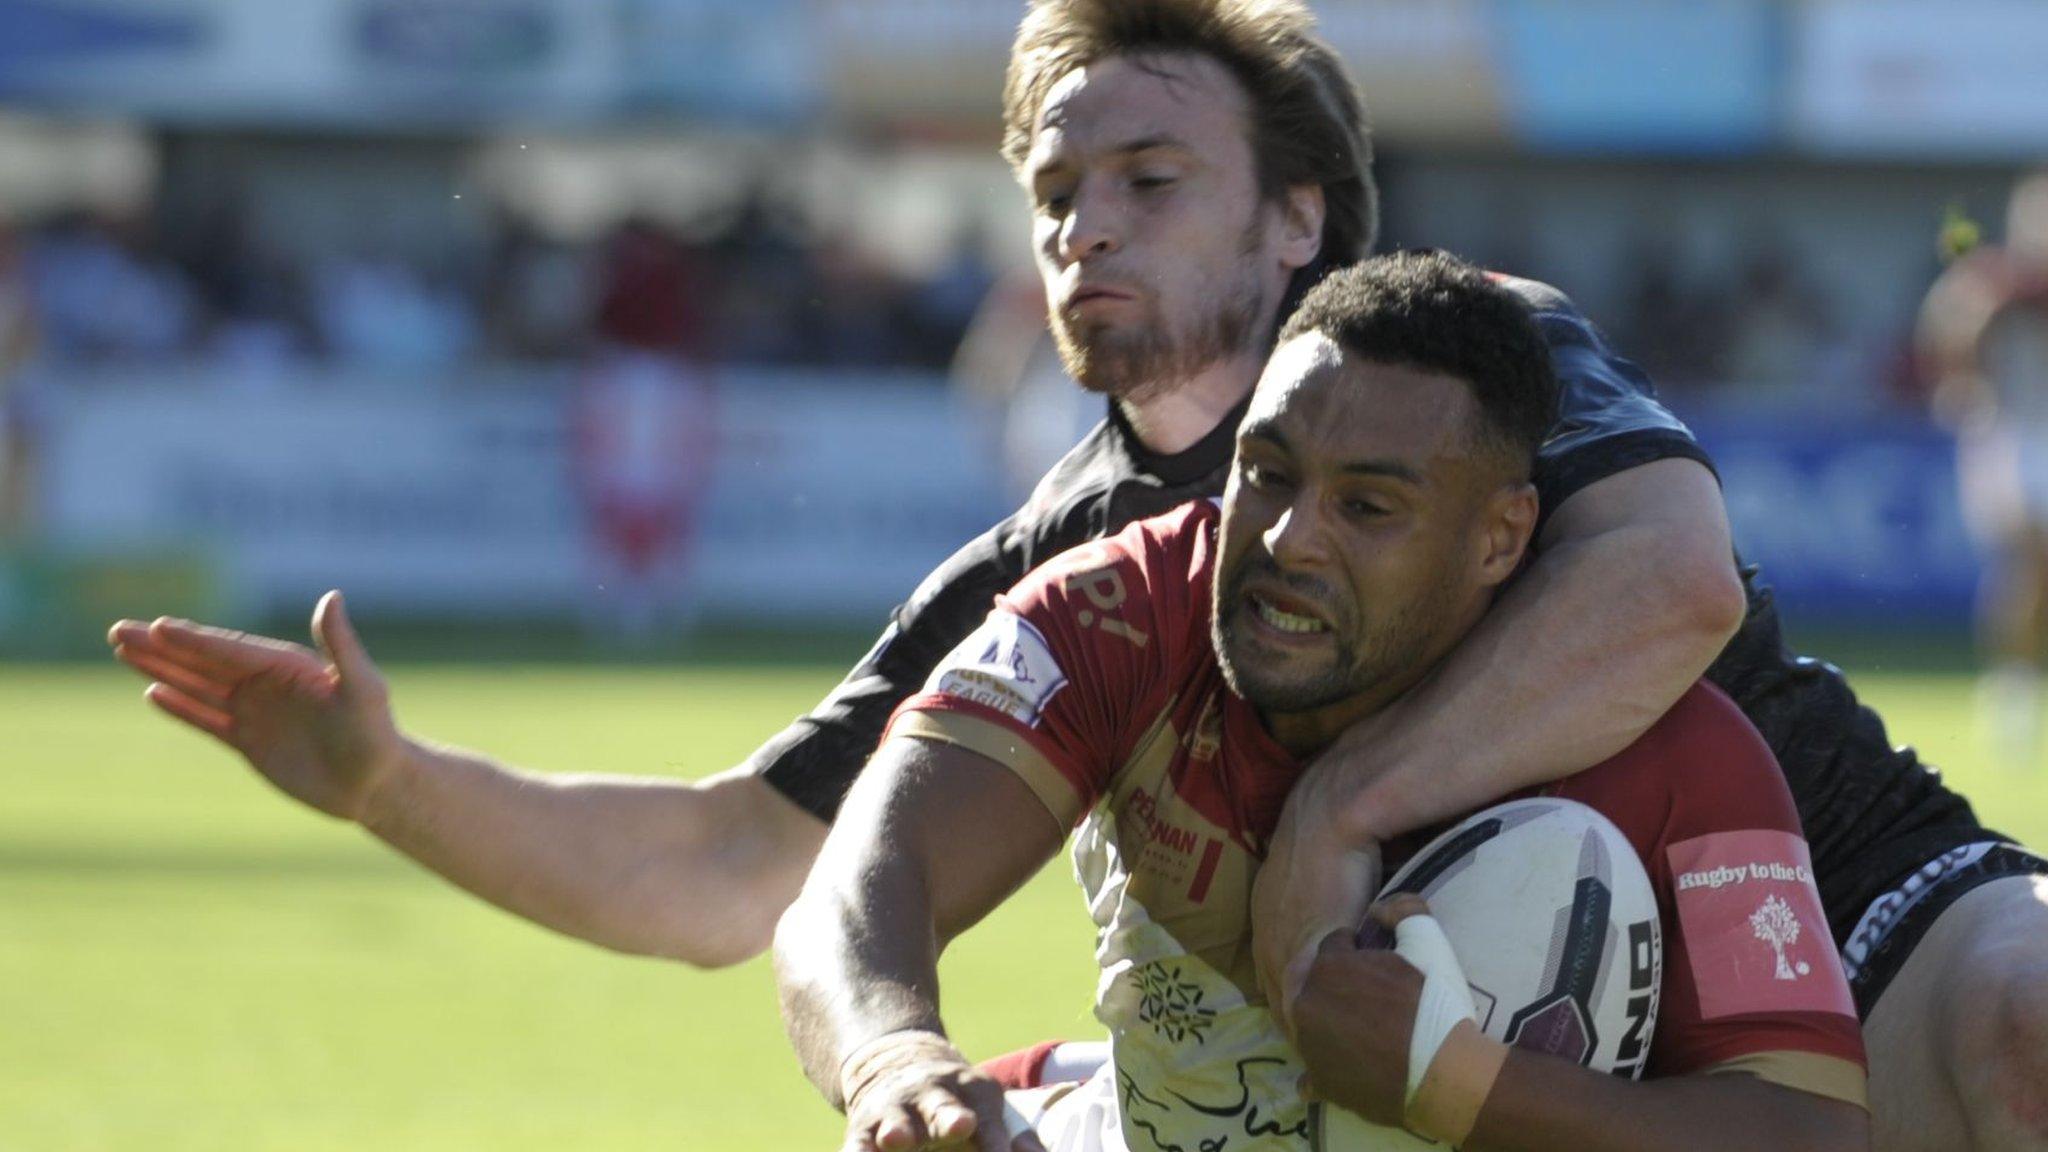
point(1897, 921)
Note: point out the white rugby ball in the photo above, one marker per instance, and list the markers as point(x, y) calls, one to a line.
point(1553, 918)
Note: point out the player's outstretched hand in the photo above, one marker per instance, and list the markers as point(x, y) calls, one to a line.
point(318, 725)
point(911, 1091)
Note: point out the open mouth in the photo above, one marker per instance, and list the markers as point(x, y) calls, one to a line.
point(1294, 623)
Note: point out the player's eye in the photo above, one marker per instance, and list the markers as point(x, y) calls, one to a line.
point(1055, 203)
point(1152, 182)
point(1261, 475)
point(1363, 509)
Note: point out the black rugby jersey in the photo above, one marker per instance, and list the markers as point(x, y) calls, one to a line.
point(1872, 813)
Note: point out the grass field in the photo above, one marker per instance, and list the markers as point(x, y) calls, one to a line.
point(187, 961)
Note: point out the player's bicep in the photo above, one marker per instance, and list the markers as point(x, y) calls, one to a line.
point(1672, 493)
point(970, 828)
point(1747, 941)
point(1056, 682)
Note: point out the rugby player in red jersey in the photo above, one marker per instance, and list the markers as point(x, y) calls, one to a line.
point(1984, 336)
point(1148, 255)
point(1163, 688)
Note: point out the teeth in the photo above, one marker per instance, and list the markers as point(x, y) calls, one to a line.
point(1286, 621)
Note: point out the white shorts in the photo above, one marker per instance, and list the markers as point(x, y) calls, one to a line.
point(1071, 1117)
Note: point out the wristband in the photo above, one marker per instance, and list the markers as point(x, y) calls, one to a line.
point(886, 1053)
point(1446, 997)
point(1456, 1086)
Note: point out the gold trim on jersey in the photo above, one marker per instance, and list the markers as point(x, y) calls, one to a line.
point(986, 738)
point(1829, 1076)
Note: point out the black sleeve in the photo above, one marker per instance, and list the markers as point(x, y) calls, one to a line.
point(1609, 417)
point(815, 759)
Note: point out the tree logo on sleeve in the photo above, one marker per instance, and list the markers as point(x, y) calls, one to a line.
point(1777, 925)
point(1753, 923)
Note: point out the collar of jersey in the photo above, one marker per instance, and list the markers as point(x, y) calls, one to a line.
point(1205, 456)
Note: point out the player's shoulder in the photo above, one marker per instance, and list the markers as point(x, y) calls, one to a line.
point(1702, 765)
point(1537, 296)
point(1703, 731)
point(1078, 479)
point(1153, 572)
point(1704, 713)
point(1173, 546)
point(1564, 327)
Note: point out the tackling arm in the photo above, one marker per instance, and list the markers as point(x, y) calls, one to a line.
point(1632, 595)
point(691, 871)
point(932, 838)
point(694, 871)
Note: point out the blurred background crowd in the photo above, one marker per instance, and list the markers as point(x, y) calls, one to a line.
point(488, 307)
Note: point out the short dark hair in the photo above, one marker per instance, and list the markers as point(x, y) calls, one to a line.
point(1432, 311)
point(1307, 120)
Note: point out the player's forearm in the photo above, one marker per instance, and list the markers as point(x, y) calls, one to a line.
point(856, 958)
point(1543, 1104)
point(696, 872)
point(1578, 658)
point(931, 839)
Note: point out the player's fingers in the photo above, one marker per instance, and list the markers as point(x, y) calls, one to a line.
point(1398, 907)
point(212, 693)
point(1335, 943)
point(131, 647)
point(135, 636)
point(225, 651)
point(212, 721)
point(338, 639)
point(947, 1119)
point(127, 632)
point(899, 1130)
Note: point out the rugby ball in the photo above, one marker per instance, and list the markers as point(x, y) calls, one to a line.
point(1553, 918)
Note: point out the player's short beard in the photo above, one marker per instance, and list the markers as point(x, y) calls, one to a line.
point(1153, 358)
point(1395, 649)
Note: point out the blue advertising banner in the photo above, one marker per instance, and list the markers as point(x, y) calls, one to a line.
point(43, 37)
point(1642, 75)
point(1853, 522)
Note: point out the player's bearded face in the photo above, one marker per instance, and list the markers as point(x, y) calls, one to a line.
point(1362, 647)
point(1161, 254)
point(1346, 550)
point(1156, 343)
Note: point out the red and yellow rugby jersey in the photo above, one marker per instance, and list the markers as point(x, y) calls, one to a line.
point(1095, 680)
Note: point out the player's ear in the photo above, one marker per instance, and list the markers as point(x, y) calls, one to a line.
point(1509, 522)
point(1301, 225)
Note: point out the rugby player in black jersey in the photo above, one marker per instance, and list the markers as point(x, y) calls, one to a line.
point(1175, 219)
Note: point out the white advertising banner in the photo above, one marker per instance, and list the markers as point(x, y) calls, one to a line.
point(1964, 78)
point(823, 499)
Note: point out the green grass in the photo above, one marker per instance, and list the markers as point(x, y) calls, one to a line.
point(188, 961)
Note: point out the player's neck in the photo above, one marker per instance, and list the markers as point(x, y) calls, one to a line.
point(1306, 735)
point(1173, 417)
